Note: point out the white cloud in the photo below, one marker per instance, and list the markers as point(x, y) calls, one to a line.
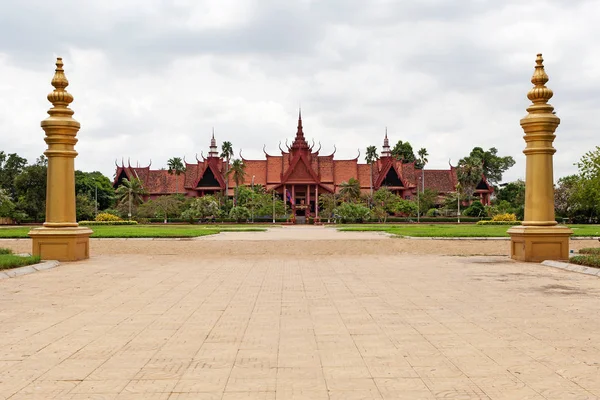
point(152, 78)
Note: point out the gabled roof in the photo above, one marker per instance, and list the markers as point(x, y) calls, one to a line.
point(305, 174)
point(213, 166)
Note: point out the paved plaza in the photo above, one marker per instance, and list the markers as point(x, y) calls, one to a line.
point(299, 313)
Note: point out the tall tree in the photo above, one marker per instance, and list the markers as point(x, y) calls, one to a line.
point(403, 151)
point(469, 174)
point(422, 162)
point(327, 204)
point(94, 184)
point(176, 167)
point(587, 190)
point(11, 166)
point(226, 153)
point(350, 191)
point(371, 157)
point(493, 166)
point(30, 188)
point(131, 191)
point(238, 170)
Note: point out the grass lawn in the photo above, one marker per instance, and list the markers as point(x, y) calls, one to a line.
point(144, 231)
point(9, 260)
point(456, 230)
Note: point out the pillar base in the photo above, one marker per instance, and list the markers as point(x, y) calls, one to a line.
point(62, 244)
point(539, 243)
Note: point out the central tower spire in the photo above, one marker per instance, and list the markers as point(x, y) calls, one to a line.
point(299, 140)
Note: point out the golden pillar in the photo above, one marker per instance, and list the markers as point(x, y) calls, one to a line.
point(60, 238)
point(539, 238)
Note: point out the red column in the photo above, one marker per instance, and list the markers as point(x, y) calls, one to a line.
point(307, 200)
point(294, 200)
point(317, 201)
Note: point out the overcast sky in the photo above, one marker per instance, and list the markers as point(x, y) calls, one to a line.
point(151, 78)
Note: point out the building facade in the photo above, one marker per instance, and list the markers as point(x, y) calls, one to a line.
point(299, 174)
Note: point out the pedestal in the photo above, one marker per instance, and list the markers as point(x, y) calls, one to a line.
point(62, 244)
point(539, 243)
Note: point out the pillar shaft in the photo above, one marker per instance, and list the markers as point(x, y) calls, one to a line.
point(539, 193)
point(538, 238)
point(60, 238)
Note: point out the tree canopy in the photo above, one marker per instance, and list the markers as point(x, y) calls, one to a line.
point(403, 151)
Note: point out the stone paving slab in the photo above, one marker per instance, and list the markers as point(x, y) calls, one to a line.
point(330, 326)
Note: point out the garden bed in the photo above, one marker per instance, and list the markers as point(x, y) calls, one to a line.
point(589, 256)
point(9, 260)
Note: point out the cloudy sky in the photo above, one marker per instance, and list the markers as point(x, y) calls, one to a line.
point(151, 78)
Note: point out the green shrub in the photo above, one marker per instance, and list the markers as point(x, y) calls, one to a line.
point(513, 223)
point(106, 217)
point(475, 210)
point(91, 223)
point(433, 212)
point(352, 212)
point(239, 213)
point(4, 250)
point(590, 250)
point(589, 260)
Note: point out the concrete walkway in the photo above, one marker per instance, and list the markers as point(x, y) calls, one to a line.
point(297, 233)
point(338, 325)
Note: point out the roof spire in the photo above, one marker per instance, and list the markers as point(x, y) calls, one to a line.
point(299, 141)
point(213, 146)
point(300, 132)
point(386, 146)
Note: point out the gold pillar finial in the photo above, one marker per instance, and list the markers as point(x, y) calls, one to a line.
point(539, 238)
point(59, 97)
point(60, 238)
point(539, 93)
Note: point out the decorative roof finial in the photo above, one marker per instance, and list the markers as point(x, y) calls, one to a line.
point(300, 132)
point(59, 97)
point(386, 146)
point(214, 151)
point(540, 94)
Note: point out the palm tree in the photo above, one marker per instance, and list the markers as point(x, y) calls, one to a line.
point(370, 157)
point(238, 169)
point(350, 191)
point(176, 167)
point(423, 161)
point(226, 153)
point(131, 191)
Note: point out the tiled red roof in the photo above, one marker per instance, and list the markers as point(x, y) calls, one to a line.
point(274, 168)
point(258, 169)
point(364, 175)
point(440, 180)
point(326, 169)
point(344, 170)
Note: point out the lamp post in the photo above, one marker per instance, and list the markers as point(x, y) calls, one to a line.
point(458, 201)
point(129, 214)
point(96, 197)
point(418, 202)
point(252, 204)
point(273, 205)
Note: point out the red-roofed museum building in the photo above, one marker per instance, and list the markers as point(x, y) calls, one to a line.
point(301, 173)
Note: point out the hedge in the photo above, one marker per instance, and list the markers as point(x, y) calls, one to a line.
point(512, 223)
point(590, 250)
point(91, 223)
point(588, 260)
point(435, 219)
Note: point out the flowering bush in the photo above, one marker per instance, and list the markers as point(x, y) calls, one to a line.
point(505, 217)
point(95, 223)
point(104, 217)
